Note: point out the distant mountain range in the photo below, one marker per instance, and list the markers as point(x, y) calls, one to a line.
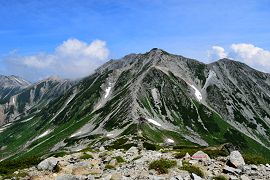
point(156, 96)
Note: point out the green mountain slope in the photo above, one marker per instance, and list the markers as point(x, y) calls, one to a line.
point(156, 96)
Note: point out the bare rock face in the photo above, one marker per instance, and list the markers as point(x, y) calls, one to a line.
point(236, 159)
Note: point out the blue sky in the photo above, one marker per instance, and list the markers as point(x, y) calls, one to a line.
point(190, 28)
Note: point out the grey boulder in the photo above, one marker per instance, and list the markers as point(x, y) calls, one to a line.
point(236, 159)
point(48, 164)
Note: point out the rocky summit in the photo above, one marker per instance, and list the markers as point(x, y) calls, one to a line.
point(137, 163)
point(148, 101)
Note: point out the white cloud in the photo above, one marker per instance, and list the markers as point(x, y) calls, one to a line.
point(71, 59)
point(216, 52)
point(253, 56)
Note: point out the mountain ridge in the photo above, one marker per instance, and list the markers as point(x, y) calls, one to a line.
point(156, 96)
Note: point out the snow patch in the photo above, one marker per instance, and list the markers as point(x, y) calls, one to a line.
point(44, 134)
point(153, 122)
point(76, 134)
point(169, 140)
point(109, 135)
point(27, 119)
point(108, 90)
point(197, 93)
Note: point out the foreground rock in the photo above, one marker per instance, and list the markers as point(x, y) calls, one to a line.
point(134, 164)
point(236, 159)
point(48, 164)
point(200, 155)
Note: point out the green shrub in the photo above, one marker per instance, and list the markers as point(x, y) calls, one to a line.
point(59, 154)
point(57, 168)
point(254, 159)
point(192, 169)
point(9, 166)
point(88, 149)
point(215, 153)
point(108, 166)
point(86, 156)
point(22, 174)
point(220, 177)
point(150, 146)
point(119, 159)
point(162, 165)
point(180, 155)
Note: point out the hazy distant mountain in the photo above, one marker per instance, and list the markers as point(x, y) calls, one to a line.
point(27, 99)
point(10, 85)
point(157, 96)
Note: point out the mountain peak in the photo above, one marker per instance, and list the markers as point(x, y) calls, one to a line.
point(157, 50)
point(13, 81)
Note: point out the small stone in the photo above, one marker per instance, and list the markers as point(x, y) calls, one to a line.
point(244, 177)
point(80, 171)
point(193, 161)
point(254, 167)
point(95, 171)
point(101, 148)
point(187, 156)
point(116, 176)
point(267, 165)
point(195, 177)
point(133, 150)
point(245, 168)
point(228, 169)
point(66, 177)
point(90, 177)
point(176, 178)
point(113, 162)
point(236, 159)
point(200, 155)
point(233, 177)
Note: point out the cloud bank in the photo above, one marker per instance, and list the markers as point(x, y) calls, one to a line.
point(248, 53)
point(71, 59)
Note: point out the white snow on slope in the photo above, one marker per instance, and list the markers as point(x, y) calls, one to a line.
point(76, 134)
point(170, 140)
point(27, 119)
point(153, 122)
point(44, 134)
point(197, 93)
point(107, 91)
point(109, 135)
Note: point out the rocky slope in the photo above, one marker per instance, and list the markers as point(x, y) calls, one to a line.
point(25, 100)
point(9, 85)
point(136, 163)
point(164, 98)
